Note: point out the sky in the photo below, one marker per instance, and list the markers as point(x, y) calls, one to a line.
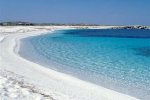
point(102, 12)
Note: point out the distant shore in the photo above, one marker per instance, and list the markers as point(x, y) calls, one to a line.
point(19, 23)
point(43, 82)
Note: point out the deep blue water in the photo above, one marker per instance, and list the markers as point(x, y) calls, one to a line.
point(116, 59)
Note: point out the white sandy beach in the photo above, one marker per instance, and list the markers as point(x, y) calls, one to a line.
point(26, 80)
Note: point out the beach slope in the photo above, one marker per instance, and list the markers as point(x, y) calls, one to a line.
point(23, 79)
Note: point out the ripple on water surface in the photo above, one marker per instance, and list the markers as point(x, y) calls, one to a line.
point(115, 59)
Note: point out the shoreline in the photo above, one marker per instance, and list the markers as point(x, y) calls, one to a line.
point(59, 85)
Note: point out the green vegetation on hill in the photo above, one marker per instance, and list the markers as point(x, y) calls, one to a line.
point(19, 23)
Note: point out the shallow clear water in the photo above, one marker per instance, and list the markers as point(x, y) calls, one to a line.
point(116, 59)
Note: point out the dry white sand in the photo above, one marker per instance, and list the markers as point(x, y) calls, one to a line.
point(26, 80)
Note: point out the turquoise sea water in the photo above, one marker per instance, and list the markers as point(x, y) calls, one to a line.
point(116, 59)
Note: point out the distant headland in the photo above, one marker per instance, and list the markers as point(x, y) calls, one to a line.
point(20, 23)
